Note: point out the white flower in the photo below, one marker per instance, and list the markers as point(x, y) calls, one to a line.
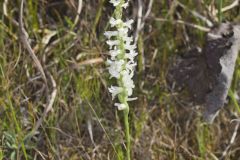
point(110, 34)
point(122, 51)
point(114, 22)
point(125, 5)
point(112, 43)
point(123, 31)
point(115, 2)
point(131, 55)
point(130, 47)
point(115, 67)
point(115, 90)
point(127, 39)
point(127, 81)
point(114, 53)
point(130, 66)
point(120, 106)
point(128, 23)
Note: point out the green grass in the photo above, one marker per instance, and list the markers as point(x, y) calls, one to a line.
point(163, 124)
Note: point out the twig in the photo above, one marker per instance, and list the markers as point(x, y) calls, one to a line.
point(49, 106)
point(51, 99)
point(231, 141)
point(213, 157)
point(234, 4)
point(5, 3)
point(4, 26)
point(5, 12)
point(78, 12)
point(235, 120)
point(140, 25)
point(88, 62)
point(24, 39)
point(148, 10)
point(7, 30)
point(46, 110)
point(202, 28)
point(196, 14)
point(104, 130)
point(141, 19)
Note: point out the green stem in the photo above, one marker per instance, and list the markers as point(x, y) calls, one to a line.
point(220, 11)
point(15, 121)
point(123, 96)
point(231, 94)
point(127, 132)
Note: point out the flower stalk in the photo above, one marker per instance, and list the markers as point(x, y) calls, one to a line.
point(121, 64)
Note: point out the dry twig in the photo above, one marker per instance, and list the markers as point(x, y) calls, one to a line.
point(202, 28)
point(51, 99)
point(196, 14)
point(46, 110)
point(24, 39)
point(5, 13)
point(78, 12)
point(231, 141)
point(141, 19)
point(227, 8)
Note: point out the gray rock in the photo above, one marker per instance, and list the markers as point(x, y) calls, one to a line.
point(207, 73)
point(217, 97)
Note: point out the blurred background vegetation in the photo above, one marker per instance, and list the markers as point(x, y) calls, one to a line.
point(82, 124)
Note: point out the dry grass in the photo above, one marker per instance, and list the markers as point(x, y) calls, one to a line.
point(82, 122)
